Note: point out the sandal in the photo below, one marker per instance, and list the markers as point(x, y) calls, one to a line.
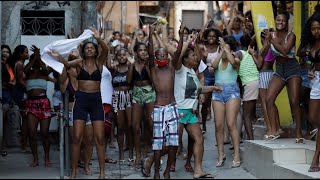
point(47, 163)
point(313, 133)
point(34, 164)
point(173, 168)
point(87, 171)
point(273, 137)
point(122, 161)
point(300, 140)
point(188, 168)
point(110, 161)
point(4, 153)
point(314, 169)
point(130, 162)
point(235, 164)
point(221, 163)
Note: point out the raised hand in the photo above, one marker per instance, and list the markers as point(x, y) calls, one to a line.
point(35, 49)
point(54, 53)
point(251, 50)
point(182, 26)
point(221, 42)
point(96, 33)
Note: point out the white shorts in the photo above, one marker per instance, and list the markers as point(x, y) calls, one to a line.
point(315, 86)
point(251, 91)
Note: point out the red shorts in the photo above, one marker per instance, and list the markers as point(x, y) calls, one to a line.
point(39, 106)
point(108, 118)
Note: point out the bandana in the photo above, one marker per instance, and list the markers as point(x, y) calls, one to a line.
point(162, 63)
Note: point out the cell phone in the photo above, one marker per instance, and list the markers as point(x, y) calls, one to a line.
point(271, 30)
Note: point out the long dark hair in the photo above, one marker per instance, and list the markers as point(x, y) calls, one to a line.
point(306, 35)
point(16, 54)
point(11, 64)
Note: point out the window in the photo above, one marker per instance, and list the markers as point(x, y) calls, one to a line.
point(193, 19)
point(42, 23)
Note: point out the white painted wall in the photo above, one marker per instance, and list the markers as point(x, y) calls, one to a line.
point(188, 5)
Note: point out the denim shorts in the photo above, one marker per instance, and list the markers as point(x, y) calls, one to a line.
point(305, 78)
point(289, 68)
point(229, 91)
point(209, 78)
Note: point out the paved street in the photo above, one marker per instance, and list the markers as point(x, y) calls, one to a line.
point(15, 165)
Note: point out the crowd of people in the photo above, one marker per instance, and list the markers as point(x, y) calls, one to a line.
point(150, 87)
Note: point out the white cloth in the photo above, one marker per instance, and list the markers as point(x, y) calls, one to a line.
point(106, 86)
point(64, 47)
point(202, 66)
point(187, 88)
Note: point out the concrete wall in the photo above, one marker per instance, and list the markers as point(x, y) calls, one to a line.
point(11, 30)
point(188, 5)
point(112, 12)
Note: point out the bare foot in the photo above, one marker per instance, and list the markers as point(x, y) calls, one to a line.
point(166, 174)
point(146, 167)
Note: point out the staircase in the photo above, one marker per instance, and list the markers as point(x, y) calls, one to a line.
point(281, 158)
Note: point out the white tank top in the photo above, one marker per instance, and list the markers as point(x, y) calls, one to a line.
point(212, 56)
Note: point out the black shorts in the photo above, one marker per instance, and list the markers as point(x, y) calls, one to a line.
point(288, 69)
point(88, 103)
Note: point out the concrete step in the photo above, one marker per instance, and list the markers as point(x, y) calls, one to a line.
point(294, 171)
point(268, 159)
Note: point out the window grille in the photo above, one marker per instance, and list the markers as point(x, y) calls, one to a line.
point(42, 23)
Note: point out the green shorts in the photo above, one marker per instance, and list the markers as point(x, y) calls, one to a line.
point(186, 116)
point(143, 95)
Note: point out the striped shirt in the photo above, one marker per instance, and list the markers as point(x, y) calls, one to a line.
point(248, 70)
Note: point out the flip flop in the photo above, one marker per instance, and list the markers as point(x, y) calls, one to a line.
point(314, 169)
point(87, 171)
point(300, 140)
point(110, 161)
point(4, 153)
point(205, 176)
point(143, 170)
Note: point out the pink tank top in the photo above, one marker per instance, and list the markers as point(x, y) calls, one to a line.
point(269, 57)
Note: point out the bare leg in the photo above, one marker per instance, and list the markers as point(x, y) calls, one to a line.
point(249, 109)
point(275, 86)
point(121, 131)
point(293, 93)
point(44, 129)
point(32, 130)
point(232, 110)
point(98, 132)
point(263, 96)
point(137, 111)
point(219, 119)
point(88, 147)
point(78, 131)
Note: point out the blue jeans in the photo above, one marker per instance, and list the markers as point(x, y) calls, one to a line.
point(229, 91)
point(305, 78)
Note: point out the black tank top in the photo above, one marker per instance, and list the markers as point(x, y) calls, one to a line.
point(144, 74)
point(84, 75)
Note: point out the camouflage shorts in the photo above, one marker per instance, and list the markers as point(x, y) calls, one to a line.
point(143, 95)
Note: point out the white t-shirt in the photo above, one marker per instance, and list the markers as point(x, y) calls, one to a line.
point(187, 88)
point(106, 86)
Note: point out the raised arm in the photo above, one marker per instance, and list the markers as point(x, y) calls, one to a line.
point(216, 61)
point(257, 61)
point(171, 49)
point(105, 49)
point(177, 61)
point(150, 49)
